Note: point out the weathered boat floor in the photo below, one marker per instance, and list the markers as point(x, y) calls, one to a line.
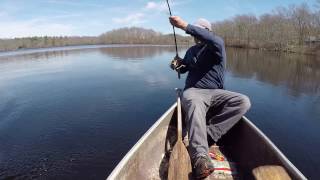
point(222, 166)
point(228, 152)
point(245, 145)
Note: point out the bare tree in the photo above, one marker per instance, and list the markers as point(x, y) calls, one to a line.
point(301, 18)
point(285, 28)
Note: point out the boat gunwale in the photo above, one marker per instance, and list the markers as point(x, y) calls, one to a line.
point(281, 156)
point(146, 135)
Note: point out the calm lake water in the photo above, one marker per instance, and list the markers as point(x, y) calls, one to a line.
point(73, 114)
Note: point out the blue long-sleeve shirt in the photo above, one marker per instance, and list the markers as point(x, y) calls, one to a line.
point(205, 62)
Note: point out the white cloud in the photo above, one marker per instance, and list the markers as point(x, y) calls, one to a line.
point(13, 22)
point(159, 6)
point(72, 3)
point(139, 16)
point(33, 27)
point(2, 14)
point(131, 19)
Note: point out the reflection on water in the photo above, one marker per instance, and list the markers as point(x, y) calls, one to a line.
point(73, 114)
point(120, 52)
point(136, 52)
point(299, 73)
point(42, 55)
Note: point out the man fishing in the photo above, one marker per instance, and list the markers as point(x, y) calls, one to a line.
point(205, 63)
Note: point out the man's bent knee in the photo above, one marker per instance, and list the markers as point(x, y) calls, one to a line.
point(245, 103)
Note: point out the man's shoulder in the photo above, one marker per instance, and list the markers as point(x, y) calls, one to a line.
point(219, 40)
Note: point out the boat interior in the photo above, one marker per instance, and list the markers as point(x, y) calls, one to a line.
point(247, 153)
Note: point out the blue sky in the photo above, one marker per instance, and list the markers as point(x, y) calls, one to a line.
point(20, 18)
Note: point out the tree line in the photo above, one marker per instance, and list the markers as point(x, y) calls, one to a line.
point(132, 35)
point(293, 28)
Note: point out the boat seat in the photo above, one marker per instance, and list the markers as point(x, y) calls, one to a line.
point(270, 172)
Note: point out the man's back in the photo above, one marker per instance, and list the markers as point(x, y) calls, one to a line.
point(205, 62)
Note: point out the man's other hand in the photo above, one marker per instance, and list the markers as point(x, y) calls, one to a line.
point(178, 22)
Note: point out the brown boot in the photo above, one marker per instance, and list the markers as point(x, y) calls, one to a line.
point(202, 167)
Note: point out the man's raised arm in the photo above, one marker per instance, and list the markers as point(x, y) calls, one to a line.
point(204, 35)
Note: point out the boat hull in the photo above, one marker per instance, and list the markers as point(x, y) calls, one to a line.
point(244, 143)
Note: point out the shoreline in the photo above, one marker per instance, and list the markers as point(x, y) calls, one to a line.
point(295, 50)
point(75, 47)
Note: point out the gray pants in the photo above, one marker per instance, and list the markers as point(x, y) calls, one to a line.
point(226, 109)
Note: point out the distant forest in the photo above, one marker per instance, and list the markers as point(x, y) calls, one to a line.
point(294, 29)
point(132, 35)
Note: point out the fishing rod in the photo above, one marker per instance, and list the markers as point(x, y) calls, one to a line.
point(176, 58)
point(174, 31)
